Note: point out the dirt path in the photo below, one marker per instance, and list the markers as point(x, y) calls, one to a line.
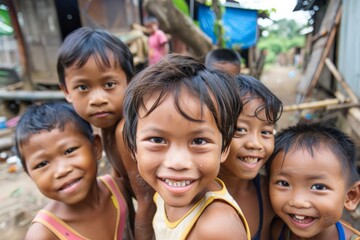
point(19, 201)
point(283, 82)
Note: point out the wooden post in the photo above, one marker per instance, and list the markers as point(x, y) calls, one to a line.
point(20, 42)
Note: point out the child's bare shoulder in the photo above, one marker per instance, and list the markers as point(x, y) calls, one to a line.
point(39, 232)
point(219, 221)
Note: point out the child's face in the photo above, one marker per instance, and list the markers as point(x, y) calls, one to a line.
point(151, 27)
point(252, 145)
point(179, 158)
point(63, 164)
point(308, 192)
point(96, 93)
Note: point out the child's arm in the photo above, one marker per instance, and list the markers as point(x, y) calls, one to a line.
point(143, 192)
point(39, 232)
point(219, 221)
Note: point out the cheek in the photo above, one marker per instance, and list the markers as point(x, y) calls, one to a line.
point(146, 161)
point(332, 211)
point(79, 105)
point(269, 149)
point(276, 199)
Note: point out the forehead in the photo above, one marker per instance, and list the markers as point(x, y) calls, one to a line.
point(301, 157)
point(97, 60)
point(186, 103)
point(184, 98)
point(251, 108)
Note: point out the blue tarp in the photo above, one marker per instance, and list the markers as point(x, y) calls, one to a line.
point(240, 26)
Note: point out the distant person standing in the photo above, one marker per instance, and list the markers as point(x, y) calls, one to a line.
point(157, 41)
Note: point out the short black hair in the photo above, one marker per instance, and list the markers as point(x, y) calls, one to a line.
point(222, 55)
point(252, 88)
point(310, 136)
point(150, 19)
point(46, 117)
point(86, 42)
point(215, 90)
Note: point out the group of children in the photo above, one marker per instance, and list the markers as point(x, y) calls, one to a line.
point(194, 145)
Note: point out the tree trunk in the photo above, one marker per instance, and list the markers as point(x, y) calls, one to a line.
point(177, 24)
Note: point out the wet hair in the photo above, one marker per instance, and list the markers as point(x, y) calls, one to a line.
point(86, 42)
point(252, 88)
point(312, 136)
point(215, 90)
point(222, 55)
point(47, 117)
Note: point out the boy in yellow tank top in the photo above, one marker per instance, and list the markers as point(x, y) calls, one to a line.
point(179, 121)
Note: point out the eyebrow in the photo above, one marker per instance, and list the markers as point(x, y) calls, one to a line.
point(195, 132)
point(308, 177)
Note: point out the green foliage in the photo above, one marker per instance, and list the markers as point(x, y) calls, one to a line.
point(182, 6)
point(282, 36)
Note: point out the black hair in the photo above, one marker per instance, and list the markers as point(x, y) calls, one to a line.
point(46, 117)
point(252, 88)
point(86, 42)
point(222, 55)
point(310, 136)
point(215, 89)
point(150, 19)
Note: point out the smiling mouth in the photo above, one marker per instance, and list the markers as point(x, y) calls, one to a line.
point(67, 185)
point(177, 183)
point(301, 218)
point(249, 160)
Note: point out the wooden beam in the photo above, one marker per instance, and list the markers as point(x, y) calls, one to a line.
point(342, 106)
point(311, 105)
point(32, 95)
point(341, 80)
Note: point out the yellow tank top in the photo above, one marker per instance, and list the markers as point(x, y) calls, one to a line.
point(164, 229)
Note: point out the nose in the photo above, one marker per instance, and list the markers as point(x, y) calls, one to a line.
point(253, 142)
point(178, 158)
point(98, 97)
point(299, 199)
point(62, 169)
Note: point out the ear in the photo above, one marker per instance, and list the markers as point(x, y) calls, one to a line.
point(97, 146)
point(224, 154)
point(353, 197)
point(66, 93)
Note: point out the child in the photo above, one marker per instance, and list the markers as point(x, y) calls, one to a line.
point(157, 41)
point(313, 176)
point(59, 152)
point(94, 69)
point(252, 145)
point(179, 121)
point(224, 59)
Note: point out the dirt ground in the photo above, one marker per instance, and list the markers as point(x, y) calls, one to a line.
point(20, 199)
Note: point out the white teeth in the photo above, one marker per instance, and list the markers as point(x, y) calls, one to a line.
point(250, 160)
point(298, 217)
point(173, 183)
